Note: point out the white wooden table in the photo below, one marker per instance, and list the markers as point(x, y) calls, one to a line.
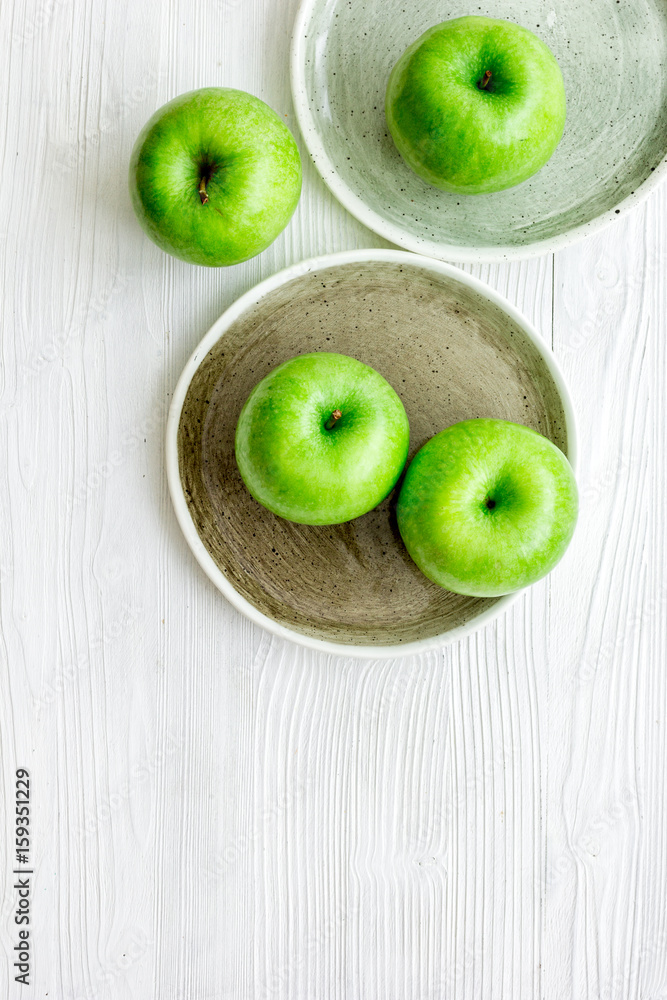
point(218, 814)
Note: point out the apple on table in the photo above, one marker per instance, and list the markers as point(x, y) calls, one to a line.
point(322, 439)
point(476, 105)
point(215, 176)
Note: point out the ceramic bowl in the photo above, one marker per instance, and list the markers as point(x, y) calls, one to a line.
point(451, 348)
point(613, 151)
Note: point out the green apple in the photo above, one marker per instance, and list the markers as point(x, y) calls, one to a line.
point(215, 176)
point(476, 105)
point(322, 439)
point(487, 507)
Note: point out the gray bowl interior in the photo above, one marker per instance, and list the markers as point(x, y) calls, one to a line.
point(449, 353)
point(612, 55)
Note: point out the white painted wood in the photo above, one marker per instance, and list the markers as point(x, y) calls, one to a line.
point(218, 814)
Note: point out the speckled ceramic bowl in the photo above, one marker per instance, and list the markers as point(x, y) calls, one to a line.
point(614, 149)
point(450, 347)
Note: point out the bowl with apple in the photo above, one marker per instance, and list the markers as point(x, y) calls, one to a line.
point(357, 354)
point(487, 133)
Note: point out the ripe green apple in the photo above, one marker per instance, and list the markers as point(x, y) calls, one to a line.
point(487, 507)
point(322, 439)
point(215, 176)
point(476, 105)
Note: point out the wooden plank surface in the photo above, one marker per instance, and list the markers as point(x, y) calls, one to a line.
point(219, 814)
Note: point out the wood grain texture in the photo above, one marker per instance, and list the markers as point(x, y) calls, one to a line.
point(218, 814)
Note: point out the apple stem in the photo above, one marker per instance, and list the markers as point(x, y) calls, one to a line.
point(202, 191)
point(490, 504)
point(336, 415)
point(483, 83)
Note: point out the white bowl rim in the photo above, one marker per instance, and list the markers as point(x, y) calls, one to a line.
point(219, 328)
point(394, 233)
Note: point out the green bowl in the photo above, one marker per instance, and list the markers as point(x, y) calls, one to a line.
point(612, 154)
point(451, 348)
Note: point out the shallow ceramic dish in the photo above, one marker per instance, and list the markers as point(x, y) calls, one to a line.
point(613, 152)
point(451, 348)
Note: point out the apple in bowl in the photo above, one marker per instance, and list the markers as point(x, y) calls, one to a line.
point(322, 439)
point(487, 507)
point(476, 105)
point(215, 176)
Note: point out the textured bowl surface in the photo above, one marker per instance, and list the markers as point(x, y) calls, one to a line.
point(451, 350)
point(613, 151)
